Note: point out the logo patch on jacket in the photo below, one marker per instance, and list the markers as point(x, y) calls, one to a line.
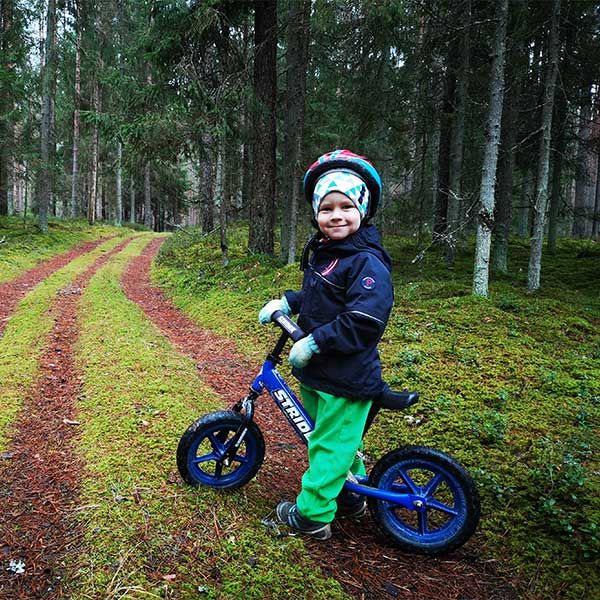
point(368, 283)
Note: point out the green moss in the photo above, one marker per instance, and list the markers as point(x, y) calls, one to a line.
point(24, 246)
point(26, 333)
point(509, 385)
point(146, 533)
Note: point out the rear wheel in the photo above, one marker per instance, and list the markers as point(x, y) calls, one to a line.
point(448, 508)
point(207, 452)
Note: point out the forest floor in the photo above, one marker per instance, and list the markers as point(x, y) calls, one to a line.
point(101, 373)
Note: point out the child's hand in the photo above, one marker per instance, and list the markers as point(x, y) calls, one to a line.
point(266, 312)
point(302, 352)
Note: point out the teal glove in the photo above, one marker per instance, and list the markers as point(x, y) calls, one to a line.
point(266, 312)
point(302, 352)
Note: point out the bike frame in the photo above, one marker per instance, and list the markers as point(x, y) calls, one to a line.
point(270, 379)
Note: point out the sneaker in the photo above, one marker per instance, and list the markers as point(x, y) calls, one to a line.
point(350, 505)
point(287, 513)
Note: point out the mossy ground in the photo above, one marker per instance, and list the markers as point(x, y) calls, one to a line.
point(26, 334)
point(24, 246)
point(147, 535)
point(510, 385)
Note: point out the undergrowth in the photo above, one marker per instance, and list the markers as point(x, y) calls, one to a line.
point(22, 245)
point(26, 334)
point(509, 385)
point(147, 534)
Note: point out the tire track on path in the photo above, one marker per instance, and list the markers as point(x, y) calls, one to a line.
point(40, 474)
point(356, 556)
point(13, 290)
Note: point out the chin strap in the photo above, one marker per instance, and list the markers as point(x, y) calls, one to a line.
point(312, 243)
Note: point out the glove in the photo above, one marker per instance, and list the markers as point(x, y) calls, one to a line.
point(266, 312)
point(302, 352)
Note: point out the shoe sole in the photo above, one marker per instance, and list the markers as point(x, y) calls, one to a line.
point(357, 513)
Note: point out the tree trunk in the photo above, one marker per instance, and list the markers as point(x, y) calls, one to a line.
point(541, 199)
point(298, 28)
point(559, 146)
point(93, 192)
point(262, 204)
point(132, 201)
point(440, 218)
point(596, 216)
point(76, 114)
point(6, 106)
point(584, 175)
point(48, 77)
point(485, 217)
point(206, 189)
point(458, 133)
point(147, 197)
point(222, 193)
point(119, 185)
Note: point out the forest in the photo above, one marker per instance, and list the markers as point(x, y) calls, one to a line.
point(481, 116)
point(151, 162)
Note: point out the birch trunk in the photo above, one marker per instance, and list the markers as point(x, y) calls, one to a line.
point(541, 199)
point(485, 217)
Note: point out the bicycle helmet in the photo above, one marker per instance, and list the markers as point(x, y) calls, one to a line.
point(348, 165)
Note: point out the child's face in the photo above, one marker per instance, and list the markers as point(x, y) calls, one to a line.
point(338, 217)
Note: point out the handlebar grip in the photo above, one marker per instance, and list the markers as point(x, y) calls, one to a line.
point(288, 326)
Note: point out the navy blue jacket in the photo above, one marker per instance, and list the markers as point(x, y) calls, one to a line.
point(345, 302)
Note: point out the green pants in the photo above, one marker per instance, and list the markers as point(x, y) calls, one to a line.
point(332, 446)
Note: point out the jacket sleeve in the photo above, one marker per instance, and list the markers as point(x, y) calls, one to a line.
point(295, 300)
point(369, 300)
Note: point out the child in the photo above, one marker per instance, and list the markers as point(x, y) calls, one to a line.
point(344, 305)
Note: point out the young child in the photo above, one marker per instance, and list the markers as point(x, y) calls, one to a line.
point(344, 305)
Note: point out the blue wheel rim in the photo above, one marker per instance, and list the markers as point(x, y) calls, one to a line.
point(205, 456)
point(445, 504)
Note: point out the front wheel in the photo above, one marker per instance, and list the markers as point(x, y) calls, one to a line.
point(222, 449)
point(447, 510)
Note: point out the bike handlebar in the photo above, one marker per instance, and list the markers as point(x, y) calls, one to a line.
point(287, 325)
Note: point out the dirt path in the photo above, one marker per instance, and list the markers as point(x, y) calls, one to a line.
point(13, 290)
point(39, 475)
point(355, 556)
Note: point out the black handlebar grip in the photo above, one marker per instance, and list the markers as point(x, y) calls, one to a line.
point(288, 326)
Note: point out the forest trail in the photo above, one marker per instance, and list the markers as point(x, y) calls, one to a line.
point(40, 479)
point(41, 472)
point(13, 290)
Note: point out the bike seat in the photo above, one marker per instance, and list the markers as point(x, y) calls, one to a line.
point(397, 400)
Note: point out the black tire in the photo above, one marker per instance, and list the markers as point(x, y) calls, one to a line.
point(201, 450)
point(451, 503)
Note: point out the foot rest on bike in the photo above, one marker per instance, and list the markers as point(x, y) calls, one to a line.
point(397, 400)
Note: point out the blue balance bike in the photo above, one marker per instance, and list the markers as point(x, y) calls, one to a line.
point(422, 499)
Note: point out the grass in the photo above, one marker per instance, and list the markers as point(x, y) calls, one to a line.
point(146, 535)
point(510, 385)
point(23, 245)
point(25, 336)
